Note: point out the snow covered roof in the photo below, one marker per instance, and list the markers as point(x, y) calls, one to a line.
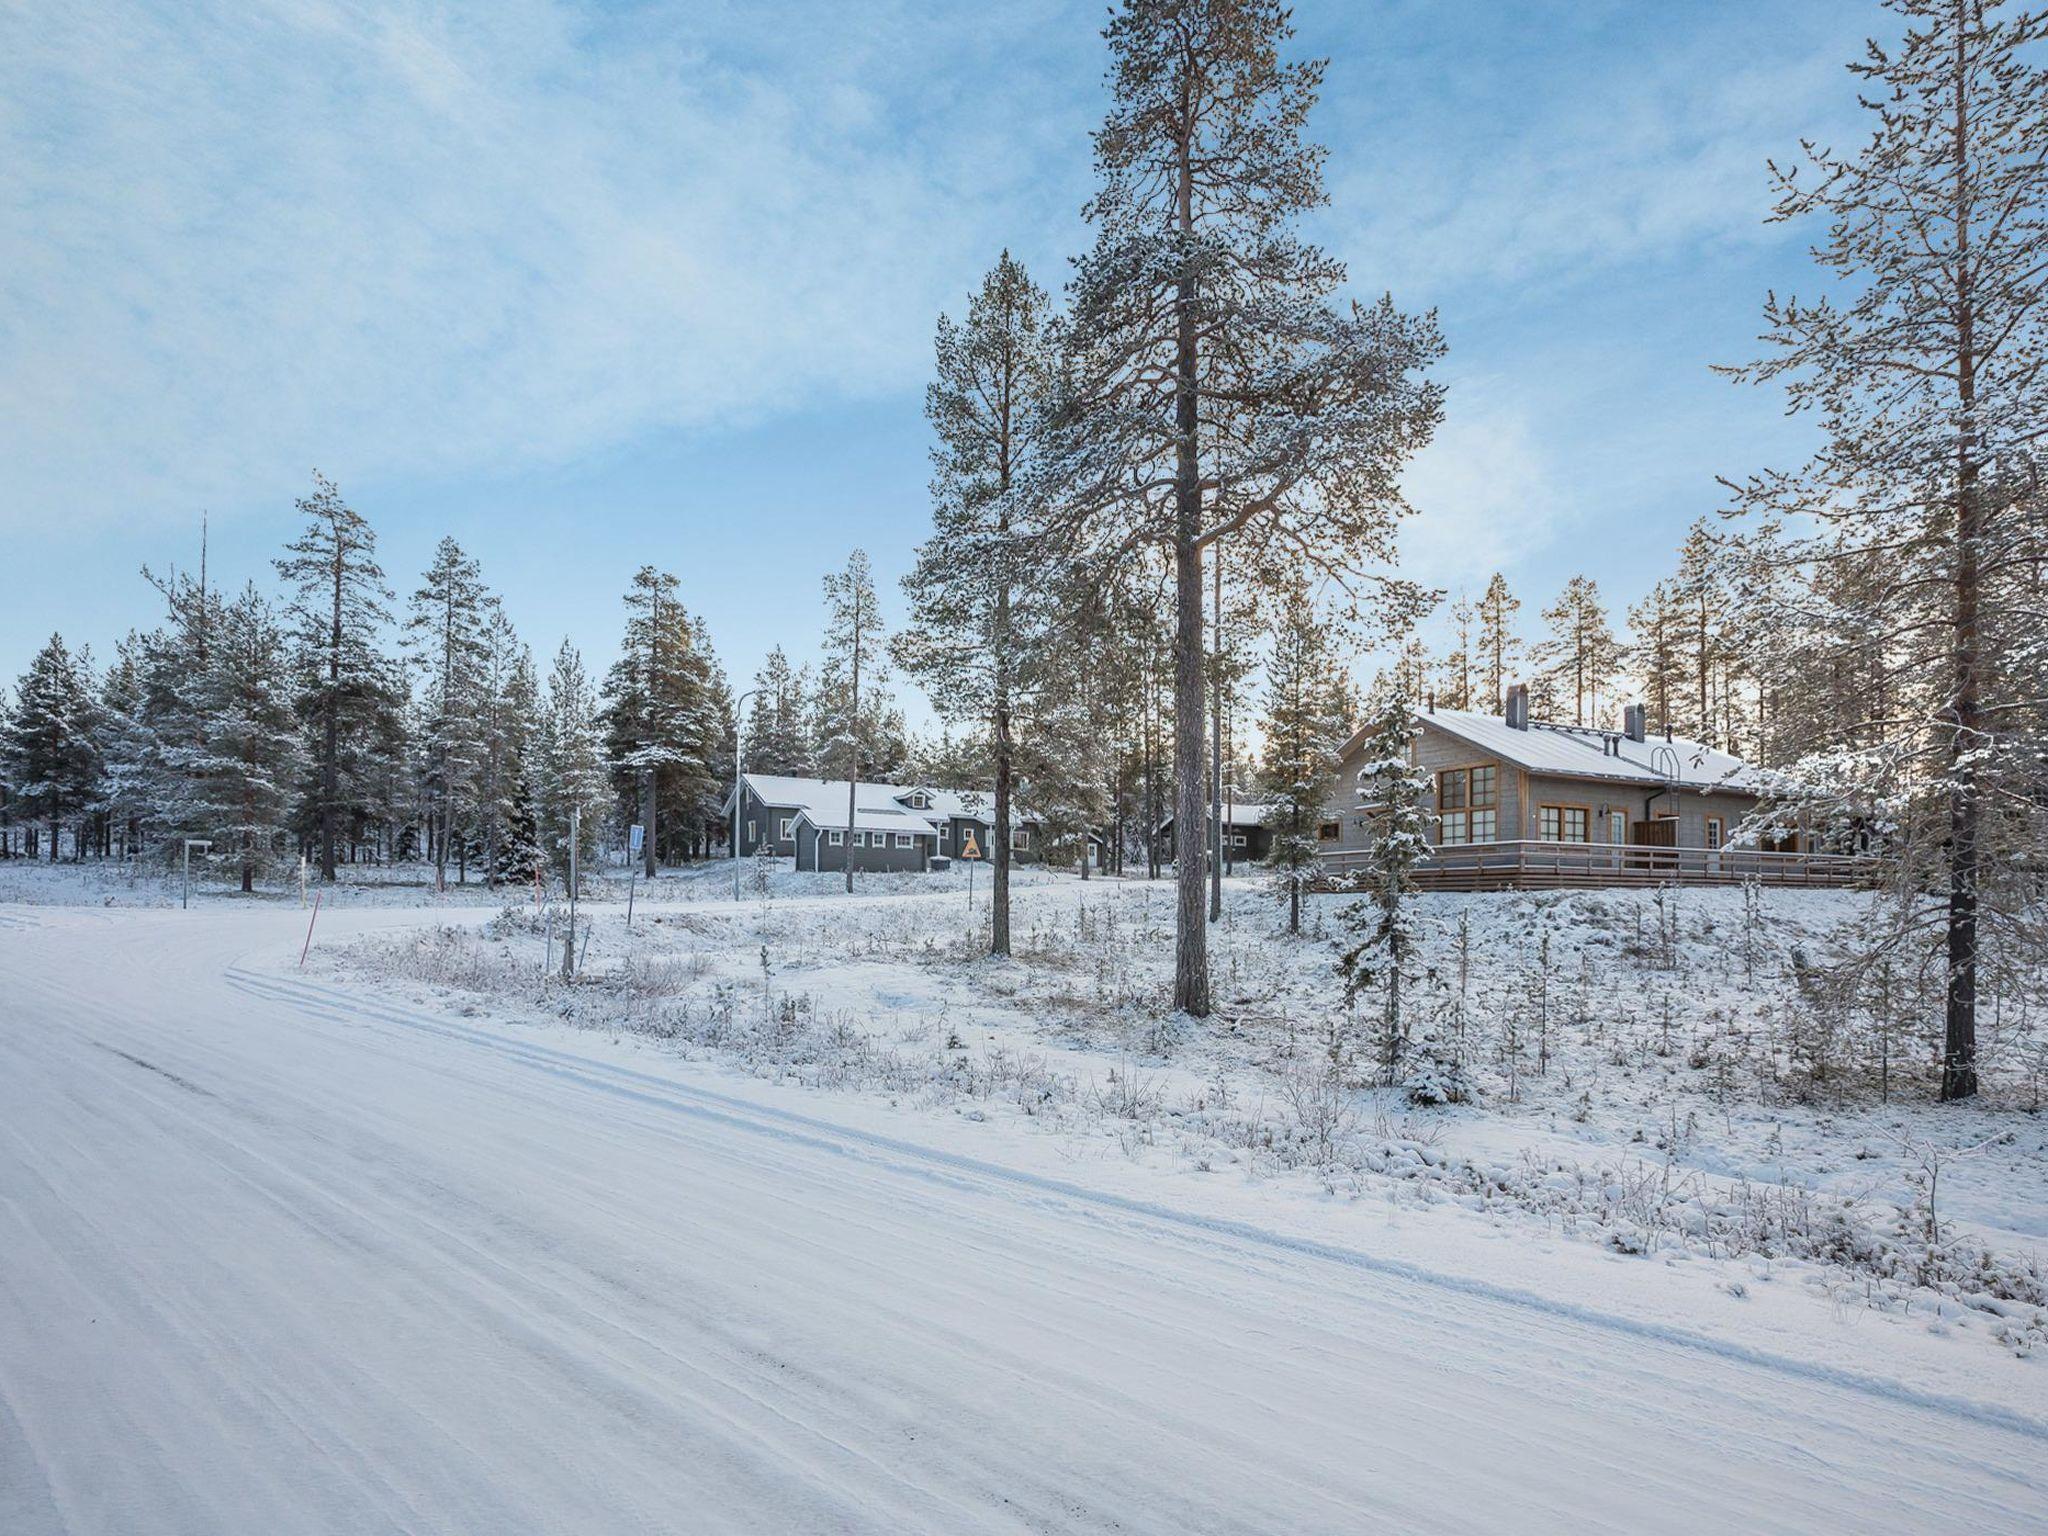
point(869, 818)
point(1236, 813)
point(1581, 752)
point(826, 800)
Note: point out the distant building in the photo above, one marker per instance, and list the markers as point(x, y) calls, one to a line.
point(895, 826)
point(1522, 801)
point(1245, 833)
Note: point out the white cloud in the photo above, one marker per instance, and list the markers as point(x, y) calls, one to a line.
point(1484, 492)
point(389, 238)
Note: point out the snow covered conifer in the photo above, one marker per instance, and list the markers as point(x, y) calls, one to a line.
point(1306, 719)
point(1385, 928)
point(51, 760)
point(969, 594)
point(1580, 655)
point(849, 684)
point(1211, 388)
point(339, 611)
point(778, 719)
point(573, 775)
point(446, 633)
point(241, 774)
point(1928, 383)
point(1500, 645)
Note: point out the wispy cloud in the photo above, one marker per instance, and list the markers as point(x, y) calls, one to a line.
point(237, 241)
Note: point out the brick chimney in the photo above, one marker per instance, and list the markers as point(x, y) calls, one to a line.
point(1518, 707)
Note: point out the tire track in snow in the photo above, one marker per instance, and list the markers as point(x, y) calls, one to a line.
point(826, 1136)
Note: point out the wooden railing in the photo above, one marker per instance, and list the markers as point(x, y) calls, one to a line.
point(1534, 865)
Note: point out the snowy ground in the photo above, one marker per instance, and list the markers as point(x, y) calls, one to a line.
point(797, 1215)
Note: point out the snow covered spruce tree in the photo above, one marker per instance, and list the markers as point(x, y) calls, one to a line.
point(1926, 376)
point(447, 635)
point(1210, 388)
point(338, 610)
point(856, 658)
point(505, 723)
point(49, 756)
point(666, 719)
point(1306, 720)
point(1385, 930)
point(969, 599)
point(242, 773)
point(573, 781)
point(778, 719)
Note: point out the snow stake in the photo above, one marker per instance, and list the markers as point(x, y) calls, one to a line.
point(309, 929)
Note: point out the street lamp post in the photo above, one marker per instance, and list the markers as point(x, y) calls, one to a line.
point(737, 704)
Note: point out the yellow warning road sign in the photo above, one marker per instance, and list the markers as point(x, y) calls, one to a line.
point(969, 848)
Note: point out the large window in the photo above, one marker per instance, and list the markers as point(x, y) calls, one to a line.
point(1564, 824)
point(1467, 806)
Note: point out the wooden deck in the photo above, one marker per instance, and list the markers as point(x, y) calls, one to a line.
point(1535, 866)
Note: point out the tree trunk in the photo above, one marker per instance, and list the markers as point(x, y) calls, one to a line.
point(330, 742)
point(648, 802)
point(1959, 1047)
point(1215, 837)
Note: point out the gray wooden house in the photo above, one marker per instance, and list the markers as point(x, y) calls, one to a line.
point(1518, 801)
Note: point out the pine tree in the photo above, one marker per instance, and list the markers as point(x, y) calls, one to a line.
point(1929, 387)
point(1387, 933)
point(778, 721)
point(504, 725)
point(447, 634)
point(855, 660)
point(1500, 648)
point(666, 718)
point(1455, 677)
point(1659, 628)
point(339, 611)
point(1211, 389)
point(1305, 725)
point(572, 777)
point(50, 757)
point(971, 622)
point(1580, 655)
point(1699, 590)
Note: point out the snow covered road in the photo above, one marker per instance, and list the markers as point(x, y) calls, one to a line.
point(275, 1258)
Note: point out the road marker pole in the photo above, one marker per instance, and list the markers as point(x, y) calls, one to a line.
point(309, 929)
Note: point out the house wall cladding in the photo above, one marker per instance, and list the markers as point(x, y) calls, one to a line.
point(1521, 795)
point(767, 826)
point(814, 852)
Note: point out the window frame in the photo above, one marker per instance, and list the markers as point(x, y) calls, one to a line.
point(906, 840)
point(1457, 825)
point(788, 825)
point(1560, 809)
point(835, 837)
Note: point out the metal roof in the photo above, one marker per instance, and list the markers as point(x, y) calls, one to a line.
point(1581, 752)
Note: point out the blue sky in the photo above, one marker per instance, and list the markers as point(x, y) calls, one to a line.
point(591, 285)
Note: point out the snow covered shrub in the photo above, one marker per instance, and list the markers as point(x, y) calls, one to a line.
point(1435, 1076)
